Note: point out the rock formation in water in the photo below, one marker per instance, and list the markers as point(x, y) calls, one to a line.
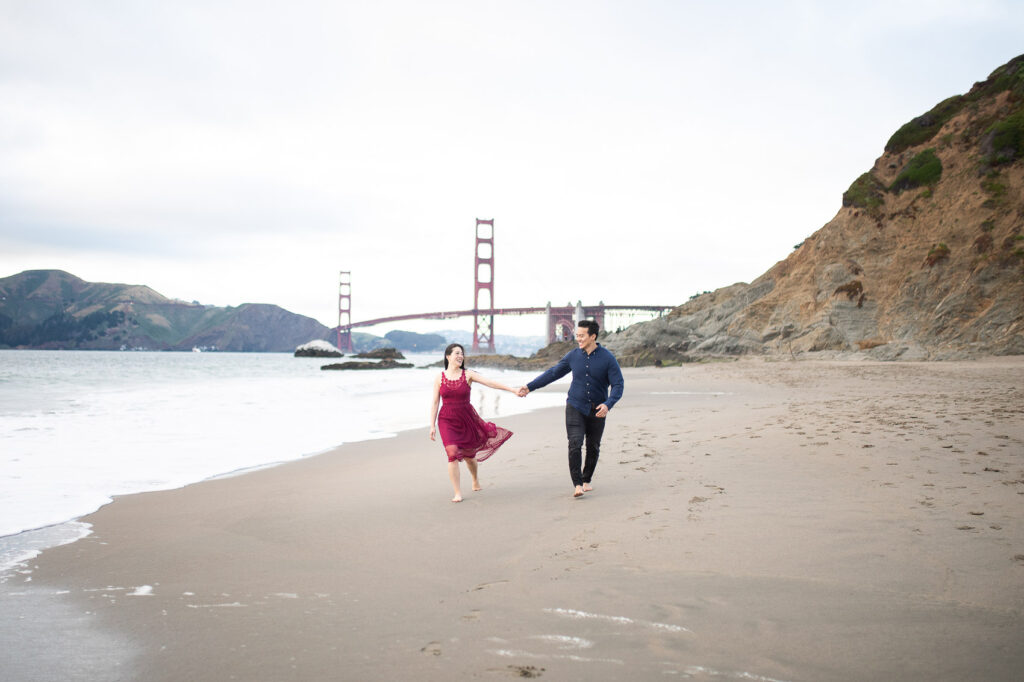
point(386, 363)
point(318, 348)
point(382, 354)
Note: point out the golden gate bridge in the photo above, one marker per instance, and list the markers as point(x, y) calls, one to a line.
point(560, 319)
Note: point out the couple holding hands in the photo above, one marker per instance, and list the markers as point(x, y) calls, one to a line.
point(468, 438)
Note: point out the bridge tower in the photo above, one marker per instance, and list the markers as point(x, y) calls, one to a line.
point(345, 311)
point(483, 324)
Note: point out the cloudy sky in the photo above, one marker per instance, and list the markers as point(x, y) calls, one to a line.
point(632, 151)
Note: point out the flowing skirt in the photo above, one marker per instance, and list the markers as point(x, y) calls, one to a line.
point(466, 435)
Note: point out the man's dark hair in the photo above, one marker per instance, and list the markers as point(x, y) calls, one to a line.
point(591, 326)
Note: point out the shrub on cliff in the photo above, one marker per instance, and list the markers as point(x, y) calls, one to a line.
point(1009, 76)
point(924, 127)
point(1004, 141)
point(939, 252)
point(923, 169)
point(866, 192)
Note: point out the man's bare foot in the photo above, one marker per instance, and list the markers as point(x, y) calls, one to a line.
point(457, 498)
point(587, 487)
point(578, 492)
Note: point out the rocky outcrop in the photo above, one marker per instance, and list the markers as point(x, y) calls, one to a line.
point(381, 354)
point(503, 362)
point(318, 349)
point(541, 360)
point(925, 259)
point(386, 363)
point(387, 358)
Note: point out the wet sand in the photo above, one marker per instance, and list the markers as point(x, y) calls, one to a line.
point(756, 520)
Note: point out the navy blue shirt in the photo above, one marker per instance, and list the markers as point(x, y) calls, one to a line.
point(592, 374)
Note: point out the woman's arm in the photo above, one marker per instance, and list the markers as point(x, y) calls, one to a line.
point(433, 407)
point(476, 376)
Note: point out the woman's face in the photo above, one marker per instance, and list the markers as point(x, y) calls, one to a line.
point(456, 357)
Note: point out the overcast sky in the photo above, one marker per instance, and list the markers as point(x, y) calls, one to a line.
point(632, 152)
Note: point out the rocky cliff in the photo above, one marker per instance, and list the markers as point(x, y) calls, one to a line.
point(925, 259)
point(51, 309)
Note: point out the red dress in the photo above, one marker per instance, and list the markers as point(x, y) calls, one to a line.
point(463, 432)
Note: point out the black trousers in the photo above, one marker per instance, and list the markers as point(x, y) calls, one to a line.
point(580, 428)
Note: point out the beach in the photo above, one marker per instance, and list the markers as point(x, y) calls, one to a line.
point(755, 520)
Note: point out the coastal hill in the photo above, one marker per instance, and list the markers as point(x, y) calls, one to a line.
point(924, 260)
point(52, 309)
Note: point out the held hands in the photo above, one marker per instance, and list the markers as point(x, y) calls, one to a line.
point(522, 391)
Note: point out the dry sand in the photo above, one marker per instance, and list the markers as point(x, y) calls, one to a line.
point(752, 520)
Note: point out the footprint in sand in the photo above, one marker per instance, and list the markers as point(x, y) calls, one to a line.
point(490, 584)
point(432, 649)
point(528, 671)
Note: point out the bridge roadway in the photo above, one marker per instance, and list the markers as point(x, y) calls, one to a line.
point(498, 311)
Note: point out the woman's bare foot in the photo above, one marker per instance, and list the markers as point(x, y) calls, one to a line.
point(587, 487)
point(578, 492)
point(476, 486)
point(457, 498)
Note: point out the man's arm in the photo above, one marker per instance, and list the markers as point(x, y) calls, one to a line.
point(553, 373)
point(616, 381)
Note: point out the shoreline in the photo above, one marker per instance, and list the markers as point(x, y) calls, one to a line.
point(778, 520)
point(71, 455)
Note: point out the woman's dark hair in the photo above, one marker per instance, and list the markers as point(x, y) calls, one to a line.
point(448, 351)
point(591, 326)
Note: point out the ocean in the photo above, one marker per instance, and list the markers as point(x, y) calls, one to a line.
point(79, 427)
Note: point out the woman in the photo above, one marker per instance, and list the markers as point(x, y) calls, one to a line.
point(466, 437)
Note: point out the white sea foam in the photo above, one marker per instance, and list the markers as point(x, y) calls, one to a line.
point(623, 620)
point(78, 428)
point(566, 641)
point(711, 672)
point(519, 653)
point(19, 550)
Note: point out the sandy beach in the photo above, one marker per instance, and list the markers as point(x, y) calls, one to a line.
point(753, 520)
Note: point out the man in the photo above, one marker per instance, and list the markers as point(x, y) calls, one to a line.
point(593, 369)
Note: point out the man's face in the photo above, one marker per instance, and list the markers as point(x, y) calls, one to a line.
point(584, 337)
